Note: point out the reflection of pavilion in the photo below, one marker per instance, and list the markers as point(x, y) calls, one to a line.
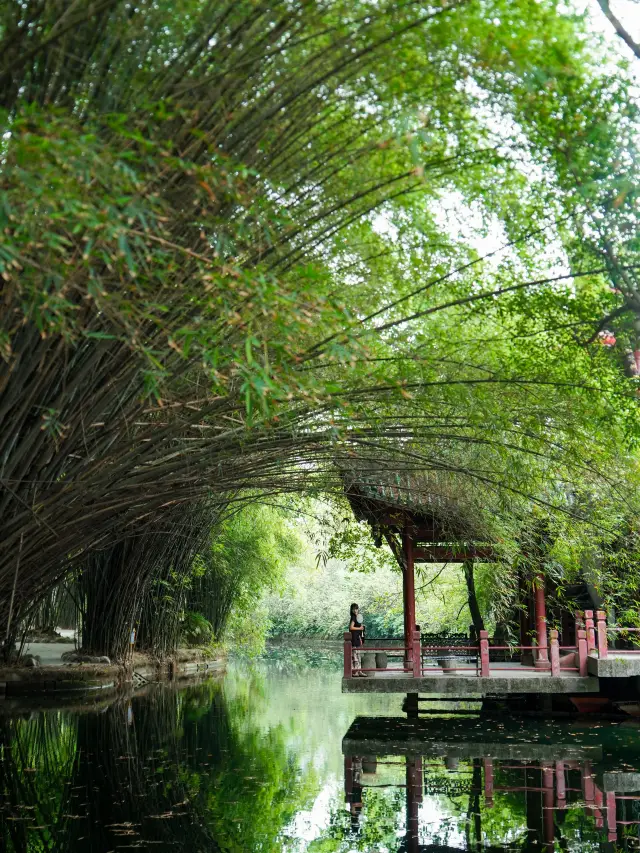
point(547, 780)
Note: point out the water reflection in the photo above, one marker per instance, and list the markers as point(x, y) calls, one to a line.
point(262, 763)
point(483, 795)
point(165, 771)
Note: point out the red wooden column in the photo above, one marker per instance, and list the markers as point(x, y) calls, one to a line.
point(414, 798)
point(523, 595)
point(547, 807)
point(408, 592)
point(542, 654)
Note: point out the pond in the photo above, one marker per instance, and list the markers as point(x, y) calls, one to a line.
point(255, 762)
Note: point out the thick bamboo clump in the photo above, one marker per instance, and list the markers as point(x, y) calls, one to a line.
point(208, 117)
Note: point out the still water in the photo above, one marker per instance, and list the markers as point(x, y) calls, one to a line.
point(256, 762)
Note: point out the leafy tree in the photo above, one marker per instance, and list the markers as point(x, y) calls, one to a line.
point(247, 556)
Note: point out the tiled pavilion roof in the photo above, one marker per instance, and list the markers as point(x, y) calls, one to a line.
point(388, 493)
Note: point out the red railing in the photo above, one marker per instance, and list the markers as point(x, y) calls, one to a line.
point(592, 640)
point(598, 633)
point(391, 651)
point(413, 655)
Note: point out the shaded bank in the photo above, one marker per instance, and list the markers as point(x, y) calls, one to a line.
point(85, 678)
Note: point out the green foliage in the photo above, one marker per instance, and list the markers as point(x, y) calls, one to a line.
point(336, 535)
point(196, 630)
point(612, 566)
point(247, 556)
point(315, 596)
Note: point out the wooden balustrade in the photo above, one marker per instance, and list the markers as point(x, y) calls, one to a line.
point(601, 625)
point(417, 653)
point(555, 653)
point(582, 652)
point(484, 654)
point(590, 629)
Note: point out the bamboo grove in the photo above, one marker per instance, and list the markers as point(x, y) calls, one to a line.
point(236, 249)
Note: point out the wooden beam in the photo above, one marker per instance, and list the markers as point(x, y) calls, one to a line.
point(396, 548)
point(448, 554)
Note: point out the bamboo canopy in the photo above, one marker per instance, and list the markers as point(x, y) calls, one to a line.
point(184, 203)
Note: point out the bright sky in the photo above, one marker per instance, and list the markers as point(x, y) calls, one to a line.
point(628, 13)
point(464, 223)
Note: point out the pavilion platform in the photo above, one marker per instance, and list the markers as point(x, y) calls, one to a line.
point(617, 664)
point(502, 681)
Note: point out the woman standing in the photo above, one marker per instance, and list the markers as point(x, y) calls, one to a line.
point(356, 626)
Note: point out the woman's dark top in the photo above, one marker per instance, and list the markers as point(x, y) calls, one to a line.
point(356, 636)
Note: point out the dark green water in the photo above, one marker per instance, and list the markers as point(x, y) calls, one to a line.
point(254, 762)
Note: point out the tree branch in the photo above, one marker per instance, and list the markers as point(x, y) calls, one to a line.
point(617, 26)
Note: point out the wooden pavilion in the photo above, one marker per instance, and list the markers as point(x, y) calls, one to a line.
point(426, 517)
point(422, 518)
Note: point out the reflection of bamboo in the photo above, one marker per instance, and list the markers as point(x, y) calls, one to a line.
point(132, 780)
point(13, 595)
point(91, 779)
point(34, 776)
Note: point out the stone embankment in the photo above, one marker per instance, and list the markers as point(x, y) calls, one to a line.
point(70, 673)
